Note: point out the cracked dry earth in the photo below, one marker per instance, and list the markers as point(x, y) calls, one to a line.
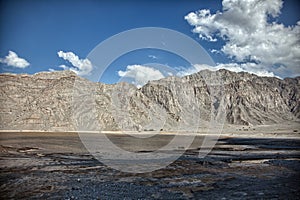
point(57, 166)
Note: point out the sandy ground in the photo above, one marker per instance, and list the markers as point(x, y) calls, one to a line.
point(286, 129)
point(246, 163)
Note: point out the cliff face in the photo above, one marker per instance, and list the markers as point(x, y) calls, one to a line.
point(41, 101)
point(62, 101)
point(248, 99)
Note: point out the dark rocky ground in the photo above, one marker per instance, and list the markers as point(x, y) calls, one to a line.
point(57, 166)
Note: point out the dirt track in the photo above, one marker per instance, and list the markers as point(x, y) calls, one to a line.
point(57, 166)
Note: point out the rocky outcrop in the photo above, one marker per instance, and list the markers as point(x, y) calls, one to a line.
point(249, 99)
point(61, 101)
point(39, 102)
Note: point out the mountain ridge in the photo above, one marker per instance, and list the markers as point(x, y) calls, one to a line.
point(59, 100)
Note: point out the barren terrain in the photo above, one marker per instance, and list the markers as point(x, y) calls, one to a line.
point(56, 165)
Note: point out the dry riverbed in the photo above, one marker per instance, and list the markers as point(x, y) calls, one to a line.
point(40, 165)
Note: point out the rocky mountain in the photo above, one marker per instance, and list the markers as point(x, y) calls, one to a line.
point(60, 101)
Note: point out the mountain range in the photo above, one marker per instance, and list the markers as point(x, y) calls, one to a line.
point(63, 101)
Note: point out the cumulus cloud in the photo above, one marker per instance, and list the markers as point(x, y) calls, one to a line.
point(234, 67)
point(140, 74)
point(13, 60)
point(80, 66)
point(252, 34)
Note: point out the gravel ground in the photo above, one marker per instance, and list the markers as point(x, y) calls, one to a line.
point(57, 166)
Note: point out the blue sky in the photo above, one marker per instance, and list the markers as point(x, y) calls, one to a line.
point(37, 30)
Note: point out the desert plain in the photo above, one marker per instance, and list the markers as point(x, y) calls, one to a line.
point(258, 162)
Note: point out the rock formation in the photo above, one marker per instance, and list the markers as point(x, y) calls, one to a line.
point(61, 101)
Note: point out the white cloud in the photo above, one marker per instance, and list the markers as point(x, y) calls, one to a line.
point(140, 74)
point(152, 56)
point(214, 51)
point(80, 66)
point(234, 67)
point(13, 60)
point(251, 34)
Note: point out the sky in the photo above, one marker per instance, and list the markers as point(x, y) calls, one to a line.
point(260, 37)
